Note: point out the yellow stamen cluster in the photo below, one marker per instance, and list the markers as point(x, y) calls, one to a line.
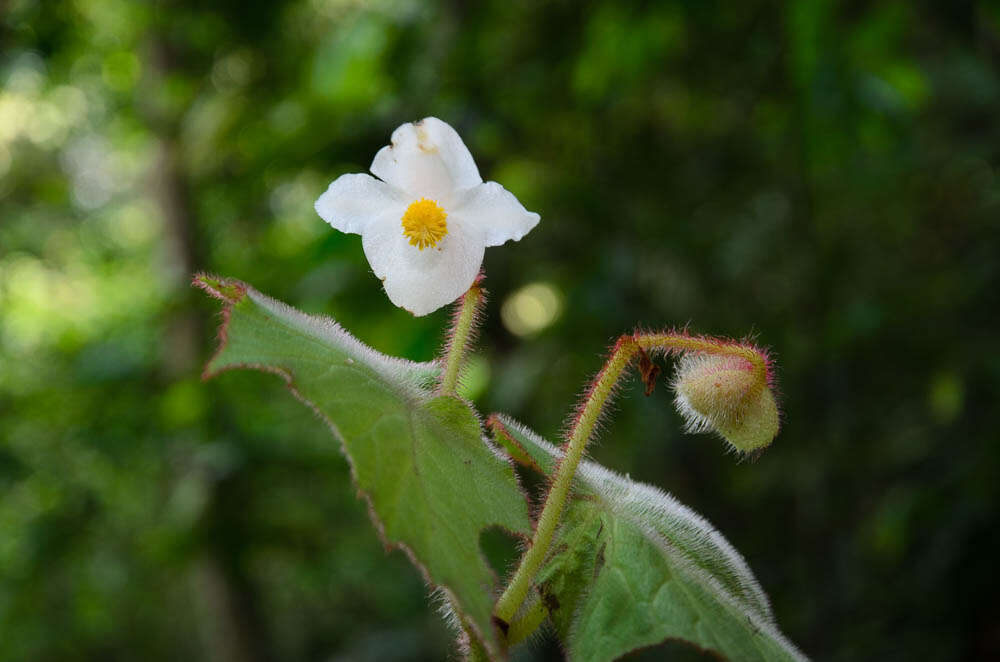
point(424, 223)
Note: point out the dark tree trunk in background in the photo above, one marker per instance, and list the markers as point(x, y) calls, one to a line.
point(223, 600)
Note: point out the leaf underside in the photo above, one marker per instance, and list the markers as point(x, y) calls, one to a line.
point(431, 482)
point(632, 567)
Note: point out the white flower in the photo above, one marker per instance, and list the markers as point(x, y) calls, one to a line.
point(426, 221)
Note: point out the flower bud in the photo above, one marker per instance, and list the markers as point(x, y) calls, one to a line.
point(727, 395)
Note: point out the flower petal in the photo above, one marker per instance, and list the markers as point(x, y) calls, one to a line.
point(421, 281)
point(495, 212)
point(427, 159)
point(352, 202)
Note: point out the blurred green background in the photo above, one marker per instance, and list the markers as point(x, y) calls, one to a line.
point(822, 174)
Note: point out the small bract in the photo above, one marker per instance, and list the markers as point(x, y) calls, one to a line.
point(426, 222)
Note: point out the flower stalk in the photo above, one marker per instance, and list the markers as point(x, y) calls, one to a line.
point(594, 402)
point(460, 336)
point(529, 620)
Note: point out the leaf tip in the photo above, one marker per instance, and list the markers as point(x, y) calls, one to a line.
point(225, 289)
point(501, 433)
point(230, 292)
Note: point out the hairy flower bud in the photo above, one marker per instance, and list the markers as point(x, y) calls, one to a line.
point(727, 395)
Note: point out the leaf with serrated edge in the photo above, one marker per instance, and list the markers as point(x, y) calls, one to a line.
point(431, 481)
point(632, 567)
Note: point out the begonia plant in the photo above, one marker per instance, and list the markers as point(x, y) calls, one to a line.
point(610, 565)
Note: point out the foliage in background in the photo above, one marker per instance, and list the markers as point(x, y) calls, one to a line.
point(824, 172)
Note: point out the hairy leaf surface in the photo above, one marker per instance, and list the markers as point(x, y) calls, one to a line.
point(432, 483)
point(632, 567)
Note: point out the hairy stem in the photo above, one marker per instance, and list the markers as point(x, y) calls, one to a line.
point(460, 336)
point(680, 342)
point(588, 414)
point(530, 620)
point(520, 583)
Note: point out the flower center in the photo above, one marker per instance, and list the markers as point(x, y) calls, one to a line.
point(424, 223)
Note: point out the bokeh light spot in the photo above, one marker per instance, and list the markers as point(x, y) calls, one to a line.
point(532, 308)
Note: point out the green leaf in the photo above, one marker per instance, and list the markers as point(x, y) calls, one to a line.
point(632, 567)
point(431, 481)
